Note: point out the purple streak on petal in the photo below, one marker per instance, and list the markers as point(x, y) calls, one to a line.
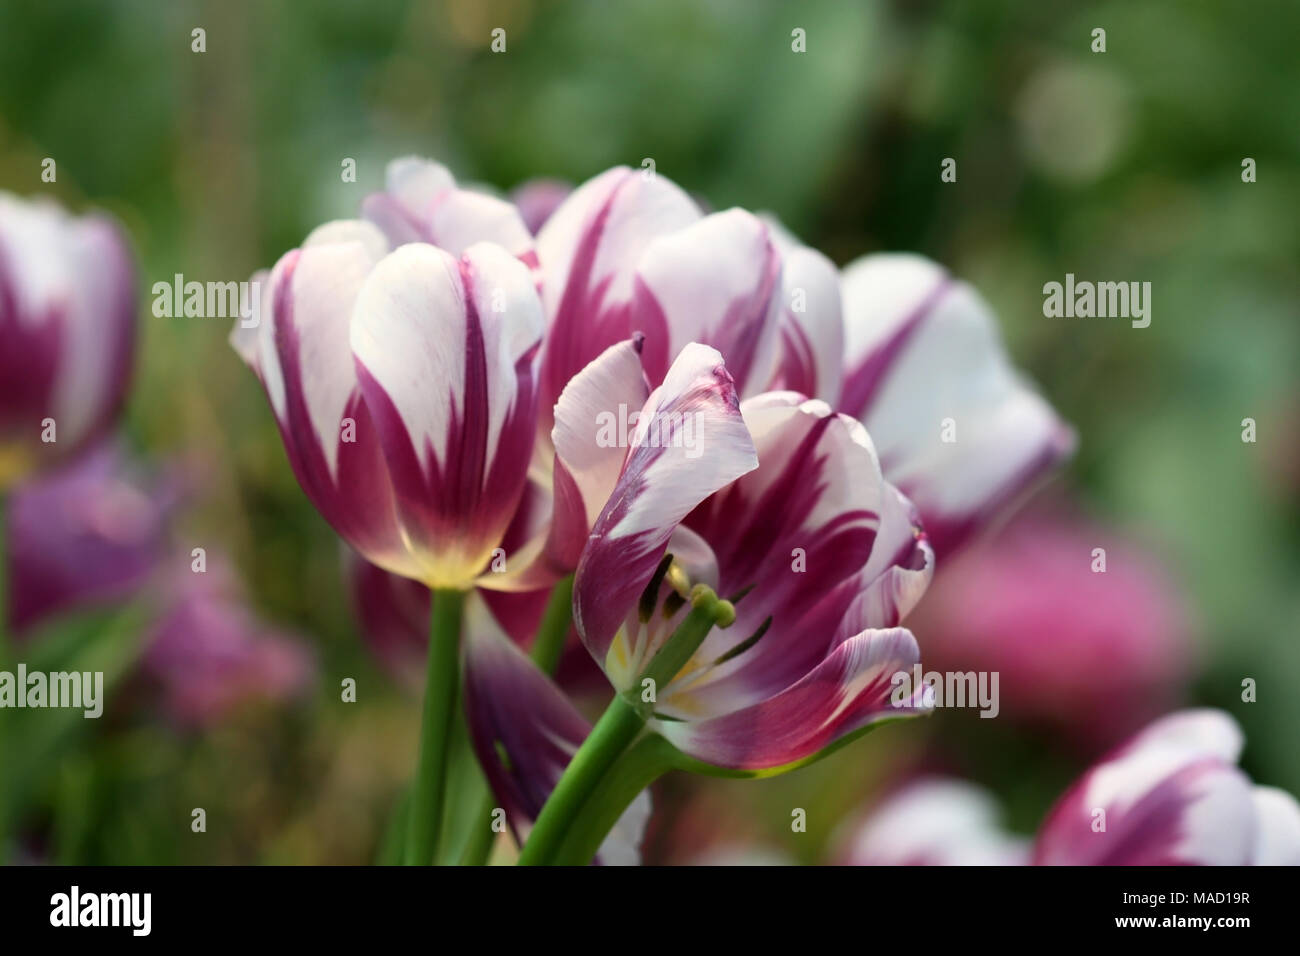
point(863, 384)
point(359, 505)
point(847, 691)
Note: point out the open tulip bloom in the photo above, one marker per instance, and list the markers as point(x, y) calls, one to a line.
point(648, 409)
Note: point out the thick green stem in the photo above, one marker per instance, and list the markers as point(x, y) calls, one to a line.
point(641, 765)
point(440, 691)
point(598, 758)
point(615, 730)
point(548, 645)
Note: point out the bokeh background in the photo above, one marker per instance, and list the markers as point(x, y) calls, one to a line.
point(1124, 165)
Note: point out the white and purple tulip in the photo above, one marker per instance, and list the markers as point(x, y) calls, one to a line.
point(403, 381)
point(957, 428)
point(630, 252)
point(68, 321)
point(778, 501)
point(1172, 795)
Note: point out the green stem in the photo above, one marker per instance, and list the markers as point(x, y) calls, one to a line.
point(641, 765)
point(615, 730)
point(440, 690)
point(548, 645)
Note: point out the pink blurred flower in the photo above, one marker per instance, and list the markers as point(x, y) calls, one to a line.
point(208, 653)
point(88, 534)
point(1092, 653)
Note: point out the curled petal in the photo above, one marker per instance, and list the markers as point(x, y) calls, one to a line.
point(444, 352)
point(957, 428)
point(689, 441)
point(590, 436)
point(850, 690)
point(525, 731)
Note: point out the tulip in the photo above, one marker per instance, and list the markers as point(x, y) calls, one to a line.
point(421, 481)
point(1088, 650)
point(67, 318)
point(402, 376)
point(936, 822)
point(89, 534)
point(1172, 795)
point(777, 501)
point(629, 252)
point(957, 428)
point(208, 654)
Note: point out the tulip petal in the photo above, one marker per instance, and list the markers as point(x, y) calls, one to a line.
point(590, 441)
point(1169, 796)
point(304, 361)
point(924, 349)
point(848, 691)
point(444, 352)
point(668, 471)
point(68, 318)
point(525, 731)
point(1277, 832)
point(588, 251)
point(711, 282)
point(811, 535)
point(809, 354)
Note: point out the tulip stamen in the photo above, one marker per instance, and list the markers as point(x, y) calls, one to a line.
point(650, 596)
point(746, 644)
